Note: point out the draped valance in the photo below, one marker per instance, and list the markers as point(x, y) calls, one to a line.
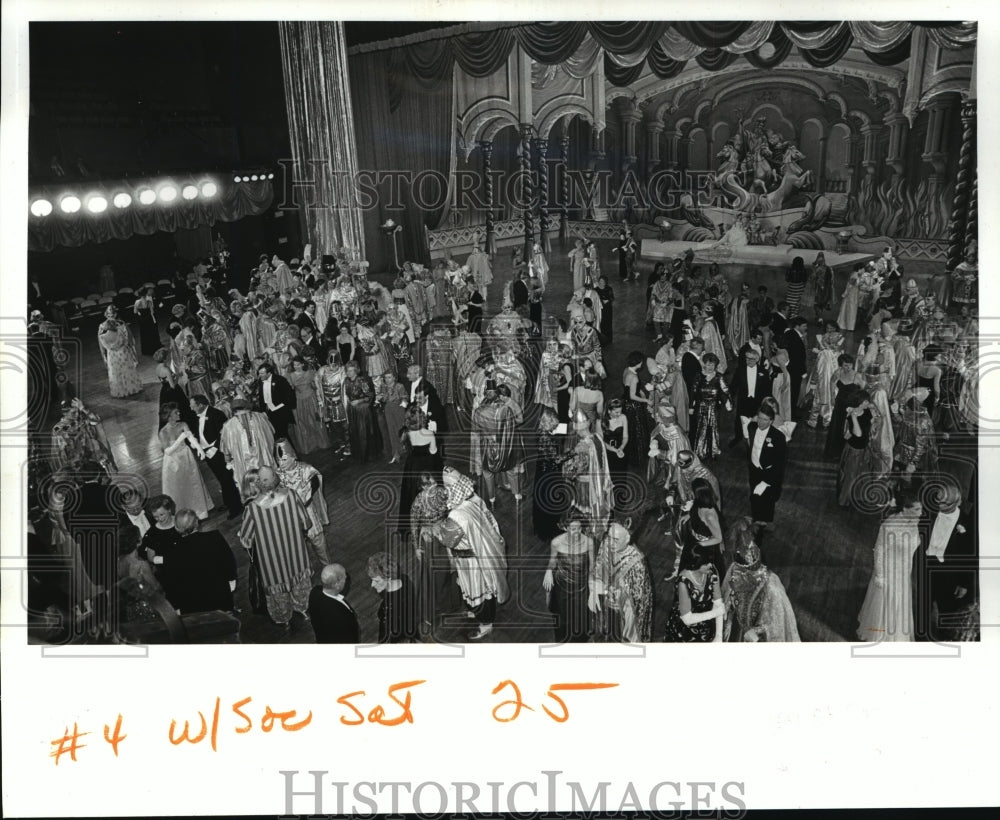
point(627, 47)
point(232, 201)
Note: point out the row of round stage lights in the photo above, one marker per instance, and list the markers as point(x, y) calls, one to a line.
point(253, 178)
point(97, 203)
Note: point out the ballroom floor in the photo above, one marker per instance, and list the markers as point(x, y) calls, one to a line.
point(822, 553)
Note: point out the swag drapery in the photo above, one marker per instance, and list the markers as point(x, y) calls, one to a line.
point(406, 127)
point(322, 133)
point(233, 201)
point(666, 47)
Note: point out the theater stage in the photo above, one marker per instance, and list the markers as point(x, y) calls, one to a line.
point(765, 256)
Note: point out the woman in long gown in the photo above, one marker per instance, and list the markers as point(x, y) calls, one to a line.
point(180, 476)
point(330, 387)
point(564, 383)
point(915, 446)
point(698, 612)
point(308, 433)
point(550, 495)
point(170, 390)
point(394, 400)
point(848, 315)
point(635, 406)
point(360, 394)
point(855, 460)
point(822, 279)
point(615, 429)
point(781, 392)
point(887, 611)
point(422, 457)
point(118, 352)
point(566, 581)
point(710, 395)
point(548, 375)
point(540, 265)
point(145, 312)
point(820, 381)
point(307, 483)
point(577, 260)
point(757, 606)
point(709, 332)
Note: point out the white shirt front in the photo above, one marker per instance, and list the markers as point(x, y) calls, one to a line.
point(944, 526)
point(413, 389)
point(758, 445)
point(209, 449)
point(751, 379)
point(267, 393)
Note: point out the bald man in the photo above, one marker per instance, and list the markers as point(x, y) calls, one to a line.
point(333, 619)
point(201, 573)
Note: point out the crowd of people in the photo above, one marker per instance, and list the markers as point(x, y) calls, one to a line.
point(319, 357)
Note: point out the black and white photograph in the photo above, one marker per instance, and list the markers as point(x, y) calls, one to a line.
point(586, 335)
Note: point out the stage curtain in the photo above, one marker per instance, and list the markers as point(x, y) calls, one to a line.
point(753, 38)
point(233, 201)
point(782, 48)
point(619, 76)
point(712, 34)
point(550, 42)
point(715, 59)
point(812, 33)
point(674, 46)
point(586, 59)
point(897, 55)
point(830, 53)
point(661, 65)
point(321, 130)
point(418, 136)
point(880, 37)
point(482, 53)
point(431, 61)
point(952, 35)
point(626, 37)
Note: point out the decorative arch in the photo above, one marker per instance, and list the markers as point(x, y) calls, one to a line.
point(551, 114)
point(702, 107)
point(485, 125)
point(861, 116)
point(742, 83)
point(779, 115)
point(718, 138)
point(837, 100)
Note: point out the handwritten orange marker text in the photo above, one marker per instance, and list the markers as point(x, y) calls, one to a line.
point(513, 707)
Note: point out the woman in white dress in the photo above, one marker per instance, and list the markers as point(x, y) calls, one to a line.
point(181, 478)
point(887, 613)
point(118, 352)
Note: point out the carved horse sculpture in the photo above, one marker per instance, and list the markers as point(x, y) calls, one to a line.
point(793, 177)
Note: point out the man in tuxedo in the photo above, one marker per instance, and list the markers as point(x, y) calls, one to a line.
point(794, 341)
point(333, 619)
point(755, 343)
point(275, 396)
point(779, 321)
point(749, 386)
point(766, 456)
point(945, 568)
point(209, 421)
point(691, 363)
point(201, 574)
point(313, 348)
point(423, 393)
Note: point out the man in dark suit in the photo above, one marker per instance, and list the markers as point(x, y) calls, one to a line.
point(755, 343)
point(208, 427)
point(431, 402)
point(691, 363)
point(313, 349)
point(945, 568)
point(766, 456)
point(275, 396)
point(201, 574)
point(749, 386)
point(779, 321)
point(794, 341)
point(333, 619)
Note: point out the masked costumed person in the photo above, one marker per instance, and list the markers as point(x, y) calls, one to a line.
point(590, 474)
point(621, 591)
point(473, 536)
point(307, 483)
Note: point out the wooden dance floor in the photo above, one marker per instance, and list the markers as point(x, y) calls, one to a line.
point(822, 553)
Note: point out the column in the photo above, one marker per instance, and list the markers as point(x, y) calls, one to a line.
point(869, 135)
point(526, 188)
point(821, 166)
point(541, 154)
point(964, 182)
point(898, 126)
point(564, 189)
point(934, 153)
point(486, 151)
point(672, 158)
point(630, 117)
point(654, 131)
